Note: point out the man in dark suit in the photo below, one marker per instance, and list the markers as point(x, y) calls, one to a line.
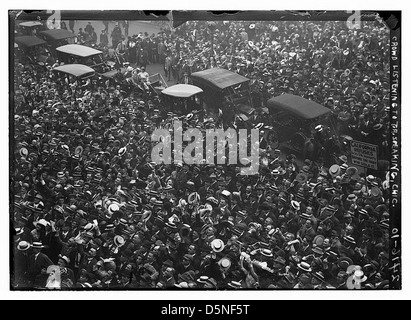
point(21, 264)
point(202, 191)
point(38, 264)
point(52, 245)
point(67, 275)
point(116, 36)
point(365, 127)
point(89, 261)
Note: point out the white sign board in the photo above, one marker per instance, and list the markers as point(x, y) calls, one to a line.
point(364, 154)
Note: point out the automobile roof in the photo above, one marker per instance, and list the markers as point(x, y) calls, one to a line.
point(77, 70)
point(218, 78)
point(182, 90)
point(28, 41)
point(297, 105)
point(78, 50)
point(30, 24)
point(57, 34)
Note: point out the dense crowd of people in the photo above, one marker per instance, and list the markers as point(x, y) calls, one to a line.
point(346, 70)
point(91, 210)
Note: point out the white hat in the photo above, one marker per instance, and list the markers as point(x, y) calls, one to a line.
point(319, 128)
point(304, 266)
point(42, 222)
point(217, 245)
point(37, 245)
point(114, 207)
point(335, 170)
point(24, 152)
point(119, 241)
point(193, 197)
point(295, 204)
point(225, 263)
point(202, 279)
point(226, 193)
point(23, 246)
point(122, 151)
point(64, 258)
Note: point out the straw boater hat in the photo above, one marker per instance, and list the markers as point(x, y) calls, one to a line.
point(78, 150)
point(334, 170)
point(114, 207)
point(304, 266)
point(266, 252)
point(349, 239)
point(352, 197)
point(194, 197)
point(19, 231)
point(24, 152)
point(64, 258)
point(119, 241)
point(42, 222)
point(23, 246)
point(225, 193)
point(305, 216)
point(122, 151)
point(235, 284)
point(109, 227)
point(317, 250)
point(217, 245)
point(171, 224)
point(344, 262)
point(319, 128)
point(202, 279)
point(319, 275)
point(318, 240)
point(295, 204)
point(37, 245)
point(224, 263)
point(351, 171)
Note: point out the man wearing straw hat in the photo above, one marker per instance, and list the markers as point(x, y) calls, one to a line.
point(38, 264)
point(21, 264)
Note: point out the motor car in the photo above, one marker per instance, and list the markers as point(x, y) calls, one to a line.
point(75, 70)
point(32, 50)
point(292, 120)
point(56, 38)
point(224, 90)
point(182, 99)
point(29, 28)
point(80, 54)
